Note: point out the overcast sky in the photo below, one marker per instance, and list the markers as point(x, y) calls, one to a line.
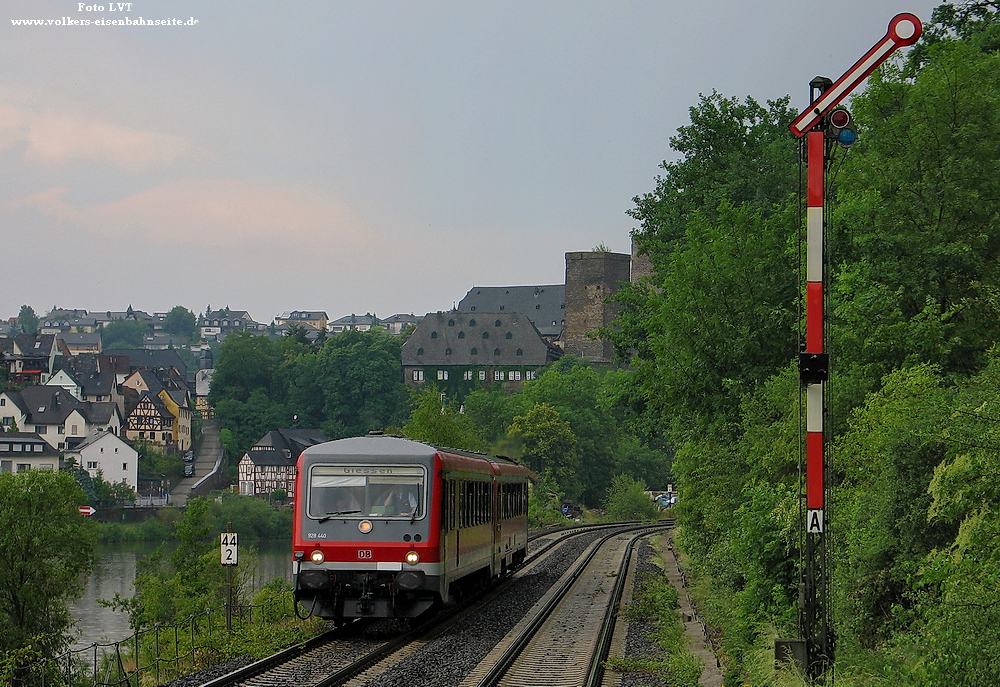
point(361, 156)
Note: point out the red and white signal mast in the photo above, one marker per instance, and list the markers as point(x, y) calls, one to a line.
point(823, 125)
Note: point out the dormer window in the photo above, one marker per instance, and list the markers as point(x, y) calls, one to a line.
point(497, 323)
point(434, 335)
point(461, 335)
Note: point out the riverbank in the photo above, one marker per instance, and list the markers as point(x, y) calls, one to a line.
point(115, 570)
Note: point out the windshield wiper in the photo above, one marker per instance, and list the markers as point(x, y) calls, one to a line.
point(336, 513)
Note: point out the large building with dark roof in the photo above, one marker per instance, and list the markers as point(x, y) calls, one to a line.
point(458, 351)
point(544, 305)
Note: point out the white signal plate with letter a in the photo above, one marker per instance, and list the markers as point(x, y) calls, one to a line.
point(814, 522)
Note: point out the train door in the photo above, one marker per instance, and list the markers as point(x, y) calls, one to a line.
point(496, 562)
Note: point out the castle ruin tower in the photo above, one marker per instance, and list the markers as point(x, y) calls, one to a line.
point(592, 277)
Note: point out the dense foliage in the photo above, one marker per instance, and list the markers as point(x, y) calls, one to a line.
point(349, 385)
point(46, 550)
point(915, 275)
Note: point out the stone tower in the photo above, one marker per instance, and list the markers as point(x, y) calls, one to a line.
point(591, 278)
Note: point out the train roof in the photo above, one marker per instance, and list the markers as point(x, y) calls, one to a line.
point(376, 443)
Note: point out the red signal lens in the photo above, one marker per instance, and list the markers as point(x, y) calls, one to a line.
point(840, 118)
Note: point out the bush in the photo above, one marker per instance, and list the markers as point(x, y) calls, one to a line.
point(627, 500)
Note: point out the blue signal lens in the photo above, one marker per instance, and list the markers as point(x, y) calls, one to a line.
point(847, 137)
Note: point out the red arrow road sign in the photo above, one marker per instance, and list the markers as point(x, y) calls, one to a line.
point(87, 510)
point(904, 29)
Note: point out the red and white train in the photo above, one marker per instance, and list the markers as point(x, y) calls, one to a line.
point(391, 527)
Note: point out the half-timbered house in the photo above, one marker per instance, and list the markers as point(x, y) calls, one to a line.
point(269, 465)
point(147, 418)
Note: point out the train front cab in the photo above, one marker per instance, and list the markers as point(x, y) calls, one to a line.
point(367, 525)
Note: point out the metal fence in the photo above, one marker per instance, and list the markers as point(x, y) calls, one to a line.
point(153, 655)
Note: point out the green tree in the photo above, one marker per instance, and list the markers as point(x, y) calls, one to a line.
point(959, 583)
point(916, 217)
point(491, 411)
point(27, 320)
point(737, 151)
point(153, 461)
point(627, 500)
point(574, 389)
point(181, 322)
point(887, 458)
point(124, 334)
point(353, 385)
point(247, 363)
point(247, 421)
point(440, 423)
point(549, 447)
point(46, 550)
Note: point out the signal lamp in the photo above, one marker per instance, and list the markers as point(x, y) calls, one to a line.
point(317, 556)
point(412, 557)
point(840, 127)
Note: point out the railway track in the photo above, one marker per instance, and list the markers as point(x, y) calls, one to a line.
point(566, 638)
point(459, 646)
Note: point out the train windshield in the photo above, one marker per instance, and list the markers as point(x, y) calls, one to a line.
point(361, 491)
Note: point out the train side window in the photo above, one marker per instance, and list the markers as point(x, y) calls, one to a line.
point(466, 504)
point(446, 510)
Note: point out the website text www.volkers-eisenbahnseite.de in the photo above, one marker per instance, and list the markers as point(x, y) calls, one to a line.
point(104, 21)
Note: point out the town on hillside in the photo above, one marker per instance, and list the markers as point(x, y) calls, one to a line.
point(79, 393)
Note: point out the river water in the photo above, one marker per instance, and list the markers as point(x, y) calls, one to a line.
point(114, 572)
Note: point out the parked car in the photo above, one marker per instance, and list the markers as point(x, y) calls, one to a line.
point(189, 470)
point(666, 500)
point(189, 456)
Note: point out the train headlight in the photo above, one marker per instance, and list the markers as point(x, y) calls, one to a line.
point(412, 557)
point(317, 556)
point(365, 526)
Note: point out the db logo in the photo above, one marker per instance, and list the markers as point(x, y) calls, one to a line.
point(365, 554)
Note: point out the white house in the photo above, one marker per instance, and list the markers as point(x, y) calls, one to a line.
point(66, 380)
point(26, 451)
point(55, 415)
point(106, 453)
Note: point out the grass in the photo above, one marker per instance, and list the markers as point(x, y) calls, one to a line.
point(655, 603)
